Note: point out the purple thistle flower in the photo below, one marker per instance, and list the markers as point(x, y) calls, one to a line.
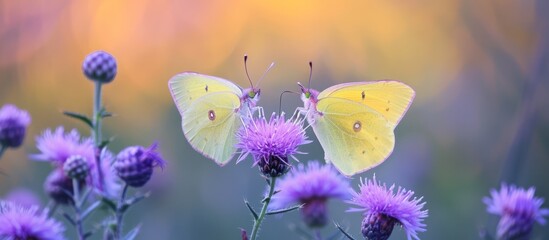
point(13, 125)
point(134, 165)
point(17, 222)
point(311, 185)
point(383, 209)
point(100, 66)
point(518, 208)
point(57, 147)
point(271, 142)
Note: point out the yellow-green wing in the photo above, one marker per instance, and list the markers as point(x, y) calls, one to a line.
point(210, 124)
point(354, 136)
point(390, 98)
point(187, 87)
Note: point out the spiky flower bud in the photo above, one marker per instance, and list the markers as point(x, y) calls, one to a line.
point(273, 166)
point(13, 125)
point(76, 167)
point(134, 165)
point(100, 66)
point(377, 226)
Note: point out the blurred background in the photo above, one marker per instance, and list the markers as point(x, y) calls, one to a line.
point(480, 116)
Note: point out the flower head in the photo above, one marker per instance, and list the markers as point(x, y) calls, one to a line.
point(99, 66)
point(56, 146)
point(134, 165)
point(518, 208)
point(271, 142)
point(13, 125)
point(383, 209)
point(311, 185)
point(76, 167)
point(17, 222)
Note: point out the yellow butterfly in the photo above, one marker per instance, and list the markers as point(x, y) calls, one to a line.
point(212, 110)
point(355, 122)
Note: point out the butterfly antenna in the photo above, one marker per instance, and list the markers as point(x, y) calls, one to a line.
point(265, 73)
point(280, 100)
point(310, 74)
point(246, 69)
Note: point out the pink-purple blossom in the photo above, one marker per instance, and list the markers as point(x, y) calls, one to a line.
point(271, 142)
point(18, 222)
point(518, 208)
point(384, 205)
point(312, 185)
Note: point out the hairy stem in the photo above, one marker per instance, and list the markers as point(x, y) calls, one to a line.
point(267, 200)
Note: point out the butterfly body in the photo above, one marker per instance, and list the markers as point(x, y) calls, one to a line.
point(355, 122)
point(212, 109)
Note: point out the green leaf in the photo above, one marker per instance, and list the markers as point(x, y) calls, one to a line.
point(285, 210)
point(90, 209)
point(133, 233)
point(254, 214)
point(106, 142)
point(85, 119)
point(103, 113)
point(69, 218)
point(109, 203)
point(134, 200)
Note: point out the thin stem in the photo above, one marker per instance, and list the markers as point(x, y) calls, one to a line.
point(96, 117)
point(77, 209)
point(52, 207)
point(257, 223)
point(96, 131)
point(120, 212)
point(2, 149)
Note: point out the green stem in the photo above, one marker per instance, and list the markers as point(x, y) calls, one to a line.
point(77, 208)
point(120, 212)
point(96, 117)
point(2, 149)
point(267, 200)
point(96, 131)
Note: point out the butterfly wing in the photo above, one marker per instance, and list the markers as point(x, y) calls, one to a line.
point(209, 110)
point(210, 124)
point(187, 87)
point(354, 136)
point(390, 98)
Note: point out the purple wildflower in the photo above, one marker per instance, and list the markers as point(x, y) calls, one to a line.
point(58, 186)
point(23, 196)
point(271, 142)
point(135, 164)
point(518, 208)
point(13, 125)
point(17, 222)
point(311, 185)
point(57, 146)
point(99, 66)
point(383, 209)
